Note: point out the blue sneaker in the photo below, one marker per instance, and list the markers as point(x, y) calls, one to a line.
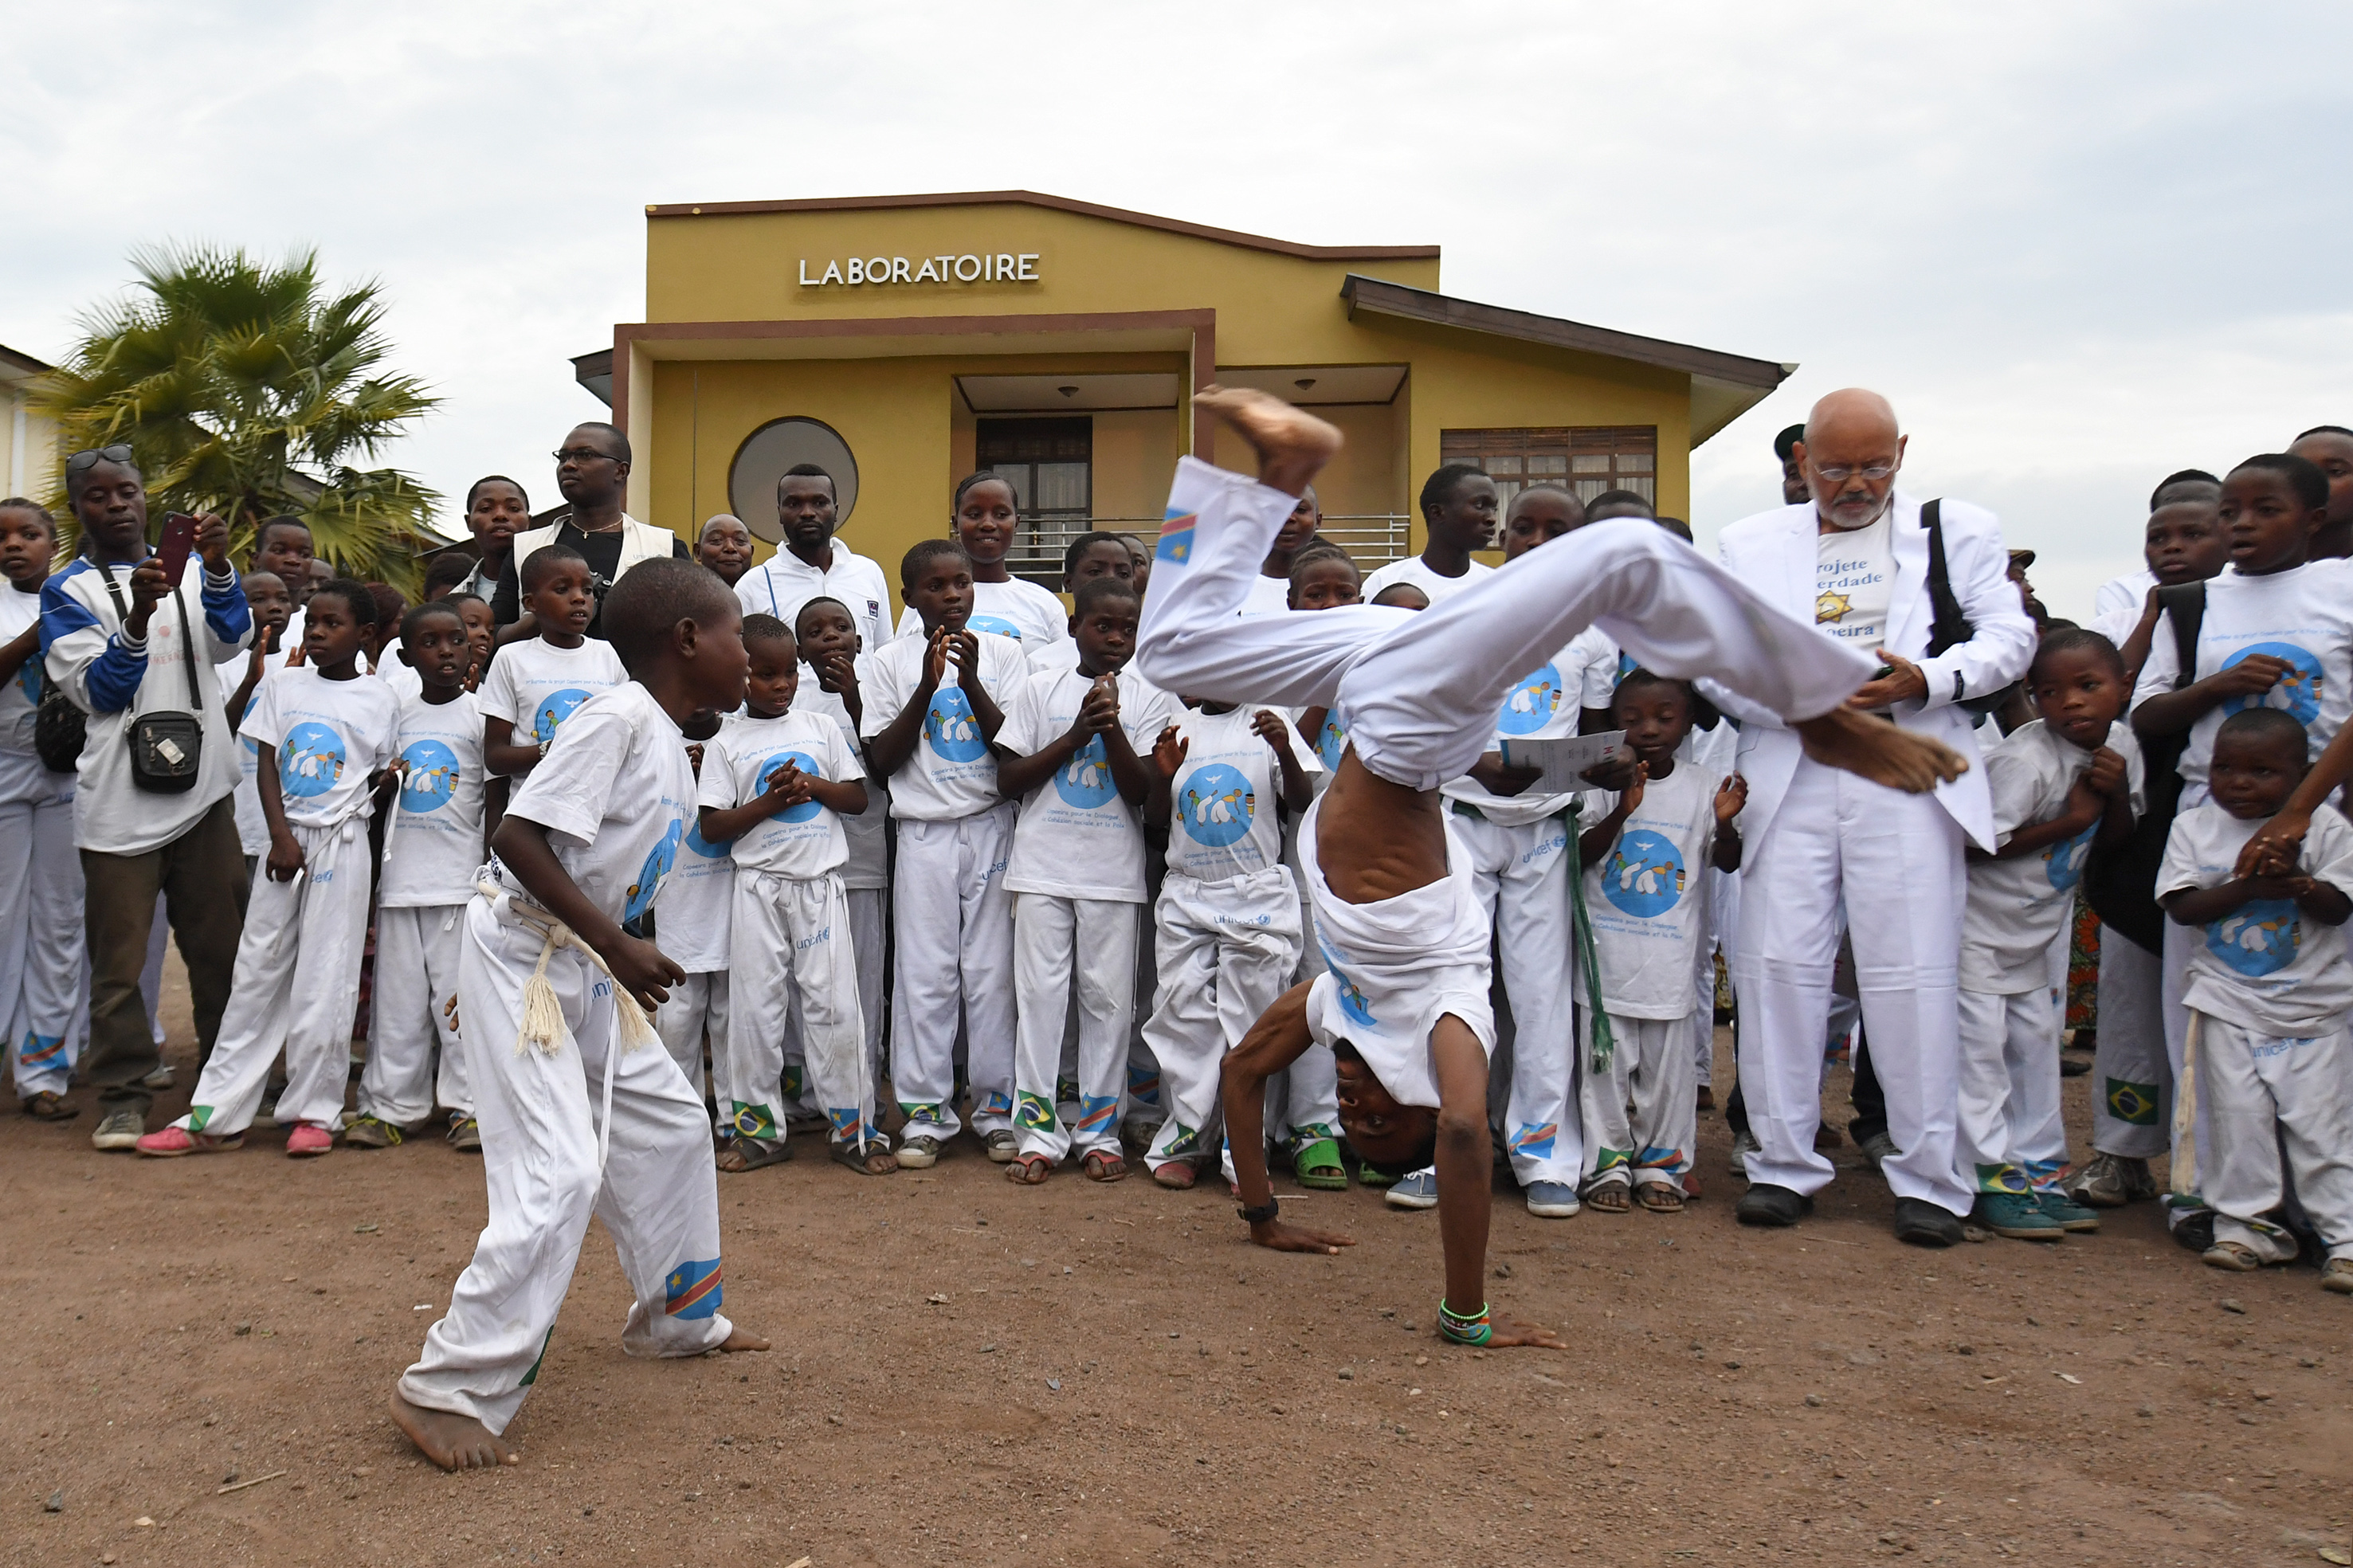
point(2015, 1216)
point(1418, 1191)
point(2066, 1211)
point(1553, 1200)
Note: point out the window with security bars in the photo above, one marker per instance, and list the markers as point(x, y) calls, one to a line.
point(1049, 463)
point(1584, 460)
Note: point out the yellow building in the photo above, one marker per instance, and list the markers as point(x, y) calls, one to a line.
point(902, 341)
point(28, 440)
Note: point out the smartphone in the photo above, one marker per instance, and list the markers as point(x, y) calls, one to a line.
point(179, 538)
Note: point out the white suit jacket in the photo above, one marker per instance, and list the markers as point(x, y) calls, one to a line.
point(1774, 554)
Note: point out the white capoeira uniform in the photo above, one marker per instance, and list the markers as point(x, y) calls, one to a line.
point(1421, 693)
point(1715, 752)
point(694, 929)
point(951, 914)
point(595, 1118)
point(298, 963)
point(791, 956)
point(1077, 881)
point(432, 856)
point(44, 988)
point(866, 873)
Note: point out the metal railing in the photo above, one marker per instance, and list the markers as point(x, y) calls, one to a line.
point(1374, 539)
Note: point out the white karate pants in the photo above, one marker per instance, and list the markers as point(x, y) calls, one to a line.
point(792, 957)
point(2259, 1095)
point(296, 988)
point(2008, 1135)
point(1892, 863)
point(1225, 951)
point(1056, 941)
point(2173, 983)
point(869, 937)
point(954, 921)
point(657, 1194)
point(1521, 877)
point(416, 979)
point(2132, 1081)
point(1651, 1065)
point(695, 1010)
point(44, 985)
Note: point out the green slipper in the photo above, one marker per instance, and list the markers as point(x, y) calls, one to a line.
point(1316, 1161)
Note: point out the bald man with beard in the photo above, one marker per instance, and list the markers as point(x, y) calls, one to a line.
point(1828, 851)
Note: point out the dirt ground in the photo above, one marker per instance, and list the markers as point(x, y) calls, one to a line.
point(968, 1373)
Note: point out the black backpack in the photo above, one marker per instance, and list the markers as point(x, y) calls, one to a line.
point(2120, 883)
point(1948, 625)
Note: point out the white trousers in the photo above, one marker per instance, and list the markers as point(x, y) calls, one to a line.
point(416, 980)
point(1521, 877)
point(1651, 1066)
point(954, 921)
point(44, 985)
point(2132, 1093)
point(1055, 942)
point(2174, 981)
point(696, 1011)
point(657, 1194)
point(869, 937)
point(1225, 951)
point(296, 989)
point(2008, 1135)
point(2259, 1095)
point(792, 958)
point(1892, 863)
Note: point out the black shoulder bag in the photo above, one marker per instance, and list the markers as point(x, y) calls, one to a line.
point(2120, 883)
point(166, 748)
point(1949, 626)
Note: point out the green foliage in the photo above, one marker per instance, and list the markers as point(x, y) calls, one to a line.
point(243, 389)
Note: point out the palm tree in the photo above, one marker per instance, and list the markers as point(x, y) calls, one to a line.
point(243, 390)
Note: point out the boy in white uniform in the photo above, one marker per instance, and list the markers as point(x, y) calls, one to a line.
point(240, 679)
point(1645, 896)
point(1070, 744)
point(335, 733)
point(833, 672)
point(776, 785)
point(2059, 784)
point(695, 928)
point(433, 850)
point(581, 1110)
point(533, 685)
point(2268, 991)
point(933, 708)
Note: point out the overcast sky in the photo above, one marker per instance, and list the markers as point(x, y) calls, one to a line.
point(2080, 245)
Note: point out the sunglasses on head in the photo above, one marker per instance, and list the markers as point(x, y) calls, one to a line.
point(118, 453)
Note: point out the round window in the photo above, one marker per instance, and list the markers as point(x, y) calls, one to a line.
point(775, 447)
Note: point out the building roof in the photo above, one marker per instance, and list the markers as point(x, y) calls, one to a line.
point(17, 366)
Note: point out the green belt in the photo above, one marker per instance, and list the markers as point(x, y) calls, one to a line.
point(1603, 1041)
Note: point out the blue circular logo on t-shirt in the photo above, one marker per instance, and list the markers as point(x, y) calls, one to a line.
point(950, 728)
point(704, 847)
point(2256, 939)
point(554, 710)
point(807, 765)
point(1644, 875)
point(432, 776)
point(28, 681)
point(1353, 1005)
point(2295, 694)
point(1332, 740)
point(309, 760)
point(658, 860)
point(1216, 804)
point(1530, 705)
point(2065, 860)
point(1085, 779)
point(995, 624)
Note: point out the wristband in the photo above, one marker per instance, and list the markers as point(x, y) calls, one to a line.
point(1264, 1213)
point(1464, 1328)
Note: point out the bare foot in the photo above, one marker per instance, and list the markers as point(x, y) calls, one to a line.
point(452, 1441)
point(1882, 753)
point(742, 1339)
point(1290, 443)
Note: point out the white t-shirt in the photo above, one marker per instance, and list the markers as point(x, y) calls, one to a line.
point(1855, 581)
point(2117, 625)
point(1077, 836)
point(397, 673)
point(1267, 597)
point(535, 686)
point(437, 838)
point(697, 923)
point(252, 830)
point(1023, 611)
point(1648, 900)
point(1545, 704)
point(868, 833)
point(952, 774)
point(2266, 966)
point(615, 795)
point(802, 841)
point(1413, 570)
point(2016, 909)
point(2128, 592)
point(2304, 616)
point(22, 775)
point(330, 735)
point(781, 585)
point(1223, 817)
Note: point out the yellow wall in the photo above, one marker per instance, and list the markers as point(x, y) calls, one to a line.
point(30, 469)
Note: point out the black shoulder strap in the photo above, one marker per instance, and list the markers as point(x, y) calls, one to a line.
point(1949, 628)
point(2185, 606)
point(187, 638)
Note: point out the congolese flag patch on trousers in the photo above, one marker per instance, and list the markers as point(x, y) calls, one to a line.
point(1177, 537)
point(693, 1289)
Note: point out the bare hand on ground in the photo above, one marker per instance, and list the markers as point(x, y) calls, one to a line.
point(1277, 1236)
point(1876, 749)
point(1504, 1332)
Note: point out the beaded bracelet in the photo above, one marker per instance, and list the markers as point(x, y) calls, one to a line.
point(1464, 1328)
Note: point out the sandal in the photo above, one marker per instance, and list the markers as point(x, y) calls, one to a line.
point(744, 1154)
point(1103, 1165)
point(872, 1158)
point(49, 1106)
point(1029, 1169)
point(1608, 1197)
point(1658, 1198)
point(2236, 1257)
point(1316, 1161)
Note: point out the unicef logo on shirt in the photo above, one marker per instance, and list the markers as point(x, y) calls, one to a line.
point(658, 860)
point(432, 776)
point(1644, 876)
point(1530, 705)
point(2256, 939)
point(2065, 860)
point(951, 729)
point(2295, 694)
point(807, 765)
point(996, 626)
point(1216, 805)
point(1353, 1005)
point(704, 847)
point(1332, 740)
point(1085, 779)
point(554, 710)
point(309, 760)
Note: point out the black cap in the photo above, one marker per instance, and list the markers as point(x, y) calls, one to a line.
point(1786, 439)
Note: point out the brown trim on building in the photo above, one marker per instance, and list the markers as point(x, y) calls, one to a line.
point(1058, 203)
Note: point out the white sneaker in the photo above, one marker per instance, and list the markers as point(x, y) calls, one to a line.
point(1419, 1191)
point(158, 1080)
point(1744, 1143)
point(918, 1153)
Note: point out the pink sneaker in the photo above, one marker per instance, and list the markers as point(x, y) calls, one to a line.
point(172, 1142)
point(307, 1140)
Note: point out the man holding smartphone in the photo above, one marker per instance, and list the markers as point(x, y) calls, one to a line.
point(135, 649)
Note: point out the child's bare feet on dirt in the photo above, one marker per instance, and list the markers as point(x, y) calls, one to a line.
point(742, 1339)
point(452, 1441)
point(1290, 443)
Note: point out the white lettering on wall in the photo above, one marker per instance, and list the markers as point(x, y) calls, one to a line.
point(856, 270)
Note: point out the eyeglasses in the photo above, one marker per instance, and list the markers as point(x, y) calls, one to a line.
point(581, 455)
point(1839, 476)
point(118, 453)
